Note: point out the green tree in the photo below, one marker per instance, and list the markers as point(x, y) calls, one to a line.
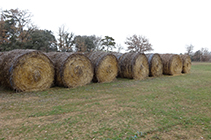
point(84, 43)
point(17, 26)
point(138, 44)
point(3, 35)
point(108, 43)
point(43, 40)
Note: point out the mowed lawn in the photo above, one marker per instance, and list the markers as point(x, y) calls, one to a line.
point(167, 107)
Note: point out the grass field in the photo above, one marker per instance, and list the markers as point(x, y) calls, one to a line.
point(167, 107)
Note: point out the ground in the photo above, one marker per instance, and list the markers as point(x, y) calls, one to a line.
point(166, 107)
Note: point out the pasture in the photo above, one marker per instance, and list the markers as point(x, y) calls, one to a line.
point(166, 107)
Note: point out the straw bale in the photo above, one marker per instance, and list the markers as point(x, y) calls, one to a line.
point(172, 64)
point(1, 61)
point(118, 55)
point(186, 63)
point(105, 66)
point(72, 69)
point(133, 65)
point(155, 64)
point(26, 70)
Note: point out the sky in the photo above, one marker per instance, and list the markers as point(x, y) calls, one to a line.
point(169, 25)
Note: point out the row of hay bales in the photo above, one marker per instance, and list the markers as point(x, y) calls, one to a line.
point(31, 70)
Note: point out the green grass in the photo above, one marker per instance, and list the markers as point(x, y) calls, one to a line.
point(167, 107)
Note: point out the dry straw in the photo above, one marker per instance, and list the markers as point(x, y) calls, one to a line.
point(118, 55)
point(26, 70)
point(186, 63)
point(155, 65)
point(72, 69)
point(172, 64)
point(105, 66)
point(1, 61)
point(133, 65)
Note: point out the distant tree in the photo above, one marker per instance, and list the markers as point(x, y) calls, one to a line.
point(189, 49)
point(97, 42)
point(138, 44)
point(197, 56)
point(108, 43)
point(205, 55)
point(43, 40)
point(80, 45)
point(3, 35)
point(119, 47)
point(17, 26)
point(65, 40)
point(84, 43)
point(89, 42)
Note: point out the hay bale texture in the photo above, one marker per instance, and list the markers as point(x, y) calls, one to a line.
point(186, 63)
point(172, 64)
point(1, 61)
point(26, 70)
point(72, 69)
point(155, 64)
point(105, 66)
point(133, 65)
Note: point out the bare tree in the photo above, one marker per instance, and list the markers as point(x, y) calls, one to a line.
point(202, 55)
point(97, 42)
point(119, 47)
point(205, 54)
point(189, 49)
point(65, 40)
point(138, 44)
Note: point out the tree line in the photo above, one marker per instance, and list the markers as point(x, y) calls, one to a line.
point(202, 55)
point(18, 32)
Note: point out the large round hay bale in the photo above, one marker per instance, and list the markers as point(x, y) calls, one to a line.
point(118, 55)
point(1, 61)
point(133, 65)
point(186, 63)
point(72, 69)
point(155, 64)
point(105, 66)
point(26, 70)
point(172, 64)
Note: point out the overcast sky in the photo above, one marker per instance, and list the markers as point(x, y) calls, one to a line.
point(169, 25)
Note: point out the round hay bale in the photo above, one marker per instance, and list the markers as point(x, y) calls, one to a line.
point(118, 55)
point(133, 65)
point(172, 64)
point(1, 61)
point(26, 70)
point(155, 64)
point(105, 66)
point(72, 69)
point(186, 63)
